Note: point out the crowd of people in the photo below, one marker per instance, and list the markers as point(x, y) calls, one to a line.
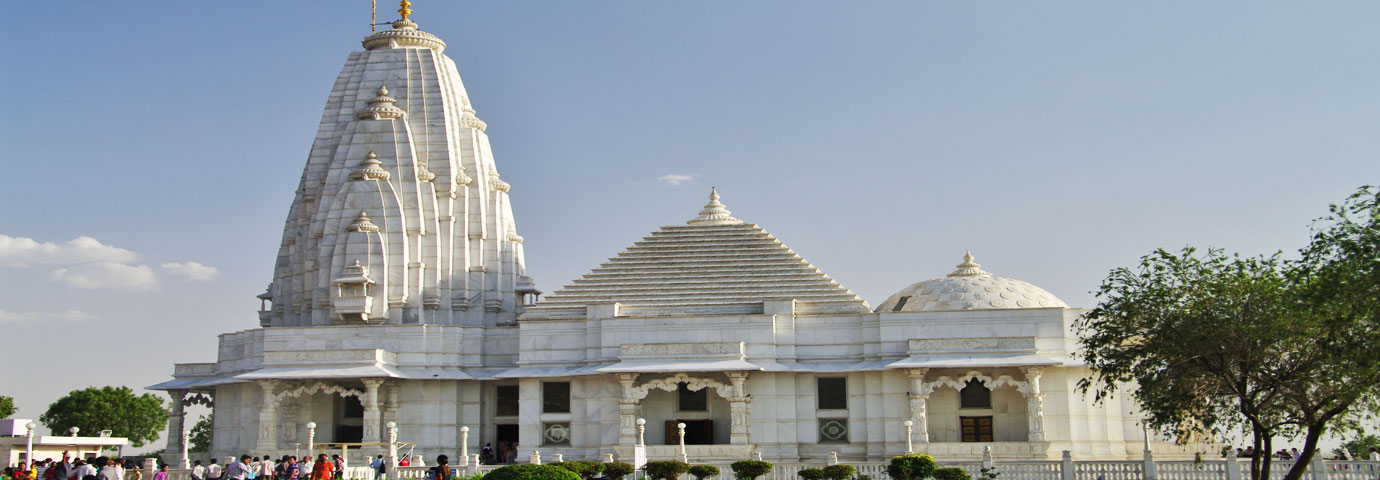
point(98, 468)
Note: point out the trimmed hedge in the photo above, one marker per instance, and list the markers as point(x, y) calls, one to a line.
point(912, 466)
point(951, 473)
point(666, 469)
point(531, 472)
point(810, 474)
point(703, 471)
point(839, 472)
point(618, 470)
point(750, 469)
point(584, 468)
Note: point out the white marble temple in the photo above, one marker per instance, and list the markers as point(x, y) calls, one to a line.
point(399, 295)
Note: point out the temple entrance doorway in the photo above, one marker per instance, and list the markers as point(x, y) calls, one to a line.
point(976, 429)
point(349, 426)
point(505, 440)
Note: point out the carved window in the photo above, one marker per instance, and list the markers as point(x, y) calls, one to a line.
point(692, 401)
point(555, 433)
point(832, 393)
point(555, 397)
point(506, 401)
point(975, 395)
point(833, 430)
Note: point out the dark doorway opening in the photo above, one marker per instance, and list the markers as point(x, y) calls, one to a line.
point(697, 432)
point(506, 443)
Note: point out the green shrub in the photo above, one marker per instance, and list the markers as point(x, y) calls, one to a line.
point(666, 469)
point(702, 472)
point(750, 469)
point(951, 473)
point(618, 470)
point(531, 472)
point(810, 474)
point(839, 472)
point(911, 466)
point(584, 468)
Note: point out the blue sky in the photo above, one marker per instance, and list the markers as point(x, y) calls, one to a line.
point(880, 140)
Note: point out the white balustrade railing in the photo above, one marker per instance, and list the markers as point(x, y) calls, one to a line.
point(1107, 470)
point(1190, 470)
point(1027, 470)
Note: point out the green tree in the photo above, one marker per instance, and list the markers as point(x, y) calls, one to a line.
point(6, 407)
point(199, 439)
point(139, 418)
point(1359, 447)
point(1216, 342)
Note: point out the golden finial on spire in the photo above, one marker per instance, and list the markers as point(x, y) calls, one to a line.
point(404, 10)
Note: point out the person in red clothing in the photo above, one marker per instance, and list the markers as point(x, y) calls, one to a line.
point(322, 469)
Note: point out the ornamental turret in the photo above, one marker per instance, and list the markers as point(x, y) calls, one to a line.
point(400, 216)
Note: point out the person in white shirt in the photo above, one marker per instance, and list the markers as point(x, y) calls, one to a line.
point(1375, 454)
point(266, 468)
point(85, 470)
point(198, 471)
point(213, 470)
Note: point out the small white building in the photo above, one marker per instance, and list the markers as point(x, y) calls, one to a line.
point(399, 295)
point(14, 449)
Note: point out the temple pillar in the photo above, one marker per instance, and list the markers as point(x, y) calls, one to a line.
point(177, 418)
point(268, 417)
point(287, 435)
point(1034, 403)
point(390, 407)
point(738, 409)
point(627, 410)
point(372, 415)
point(919, 404)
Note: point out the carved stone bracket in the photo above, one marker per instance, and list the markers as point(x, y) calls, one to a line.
point(319, 387)
point(671, 383)
point(199, 399)
point(958, 383)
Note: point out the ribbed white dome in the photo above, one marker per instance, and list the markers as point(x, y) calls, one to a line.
point(969, 288)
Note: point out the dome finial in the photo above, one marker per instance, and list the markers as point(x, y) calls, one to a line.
point(404, 9)
point(968, 268)
point(714, 213)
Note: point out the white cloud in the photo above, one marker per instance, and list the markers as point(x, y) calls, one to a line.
point(27, 252)
point(106, 275)
point(675, 179)
point(191, 270)
point(67, 316)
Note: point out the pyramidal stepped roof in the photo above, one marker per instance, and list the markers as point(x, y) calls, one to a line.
point(713, 265)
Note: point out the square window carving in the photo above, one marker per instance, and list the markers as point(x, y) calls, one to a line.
point(555, 433)
point(833, 430)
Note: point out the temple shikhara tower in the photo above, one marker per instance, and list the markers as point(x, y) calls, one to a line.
point(399, 296)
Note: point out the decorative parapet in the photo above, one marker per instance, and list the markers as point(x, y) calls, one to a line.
point(986, 345)
point(404, 34)
point(641, 351)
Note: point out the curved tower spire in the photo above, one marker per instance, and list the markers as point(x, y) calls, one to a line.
point(389, 194)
